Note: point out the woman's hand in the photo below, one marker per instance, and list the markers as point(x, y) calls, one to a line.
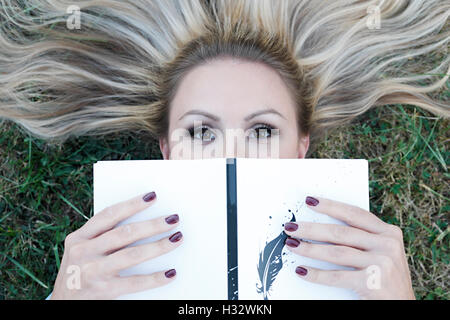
point(95, 253)
point(374, 248)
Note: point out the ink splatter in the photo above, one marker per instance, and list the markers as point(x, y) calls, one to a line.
point(270, 263)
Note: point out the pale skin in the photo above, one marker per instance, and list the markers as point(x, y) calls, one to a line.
point(235, 94)
point(98, 250)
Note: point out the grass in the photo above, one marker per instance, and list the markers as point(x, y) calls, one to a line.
point(46, 192)
point(409, 185)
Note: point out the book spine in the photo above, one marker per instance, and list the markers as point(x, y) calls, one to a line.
point(232, 248)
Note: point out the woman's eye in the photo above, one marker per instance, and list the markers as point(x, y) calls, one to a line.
point(259, 132)
point(202, 133)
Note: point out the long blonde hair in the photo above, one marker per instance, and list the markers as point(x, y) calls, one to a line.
point(120, 69)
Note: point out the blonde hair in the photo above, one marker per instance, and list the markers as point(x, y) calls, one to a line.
point(121, 69)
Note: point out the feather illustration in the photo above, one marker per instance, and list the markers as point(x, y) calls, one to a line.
point(270, 263)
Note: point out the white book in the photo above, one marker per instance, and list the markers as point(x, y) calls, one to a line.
point(230, 211)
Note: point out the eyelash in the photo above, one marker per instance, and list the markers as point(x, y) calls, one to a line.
point(193, 130)
point(263, 125)
point(257, 127)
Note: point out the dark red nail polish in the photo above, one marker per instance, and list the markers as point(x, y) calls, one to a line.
point(310, 201)
point(301, 271)
point(290, 226)
point(176, 236)
point(170, 273)
point(291, 242)
point(172, 219)
point(149, 196)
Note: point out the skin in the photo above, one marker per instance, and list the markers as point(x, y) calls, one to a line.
point(366, 243)
point(98, 251)
point(233, 94)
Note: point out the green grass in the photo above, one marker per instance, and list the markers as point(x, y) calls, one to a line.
point(46, 192)
point(409, 184)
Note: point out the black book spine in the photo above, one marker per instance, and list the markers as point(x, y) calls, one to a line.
point(232, 248)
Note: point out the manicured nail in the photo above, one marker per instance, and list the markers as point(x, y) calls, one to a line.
point(291, 242)
point(172, 219)
point(290, 226)
point(176, 236)
point(310, 201)
point(149, 196)
point(301, 271)
point(170, 273)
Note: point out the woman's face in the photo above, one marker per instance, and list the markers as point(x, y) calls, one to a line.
point(233, 108)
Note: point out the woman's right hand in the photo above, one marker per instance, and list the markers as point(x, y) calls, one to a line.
point(95, 253)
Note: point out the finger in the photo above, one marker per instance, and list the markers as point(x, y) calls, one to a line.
point(124, 235)
point(131, 256)
point(352, 215)
point(349, 279)
point(340, 255)
point(132, 284)
point(332, 233)
point(109, 217)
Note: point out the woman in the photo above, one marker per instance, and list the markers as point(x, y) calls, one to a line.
point(290, 70)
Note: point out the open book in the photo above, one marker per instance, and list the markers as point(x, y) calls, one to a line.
point(232, 213)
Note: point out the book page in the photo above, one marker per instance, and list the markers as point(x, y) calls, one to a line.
point(196, 191)
point(269, 193)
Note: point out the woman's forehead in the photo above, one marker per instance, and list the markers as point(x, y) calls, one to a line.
point(230, 85)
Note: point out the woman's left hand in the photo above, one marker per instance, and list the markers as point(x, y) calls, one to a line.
point(373, 247)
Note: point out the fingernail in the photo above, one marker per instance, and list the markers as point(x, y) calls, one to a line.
point(172, 219)
point(149, 196)
point(176, 236)
point(170, 273)
point(291, 242)
point(310, 201)
point(301, 271)
point(290, 226)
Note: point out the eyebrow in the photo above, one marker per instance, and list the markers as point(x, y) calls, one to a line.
point(217, 119)
point(202, 113)
point(266, 111)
